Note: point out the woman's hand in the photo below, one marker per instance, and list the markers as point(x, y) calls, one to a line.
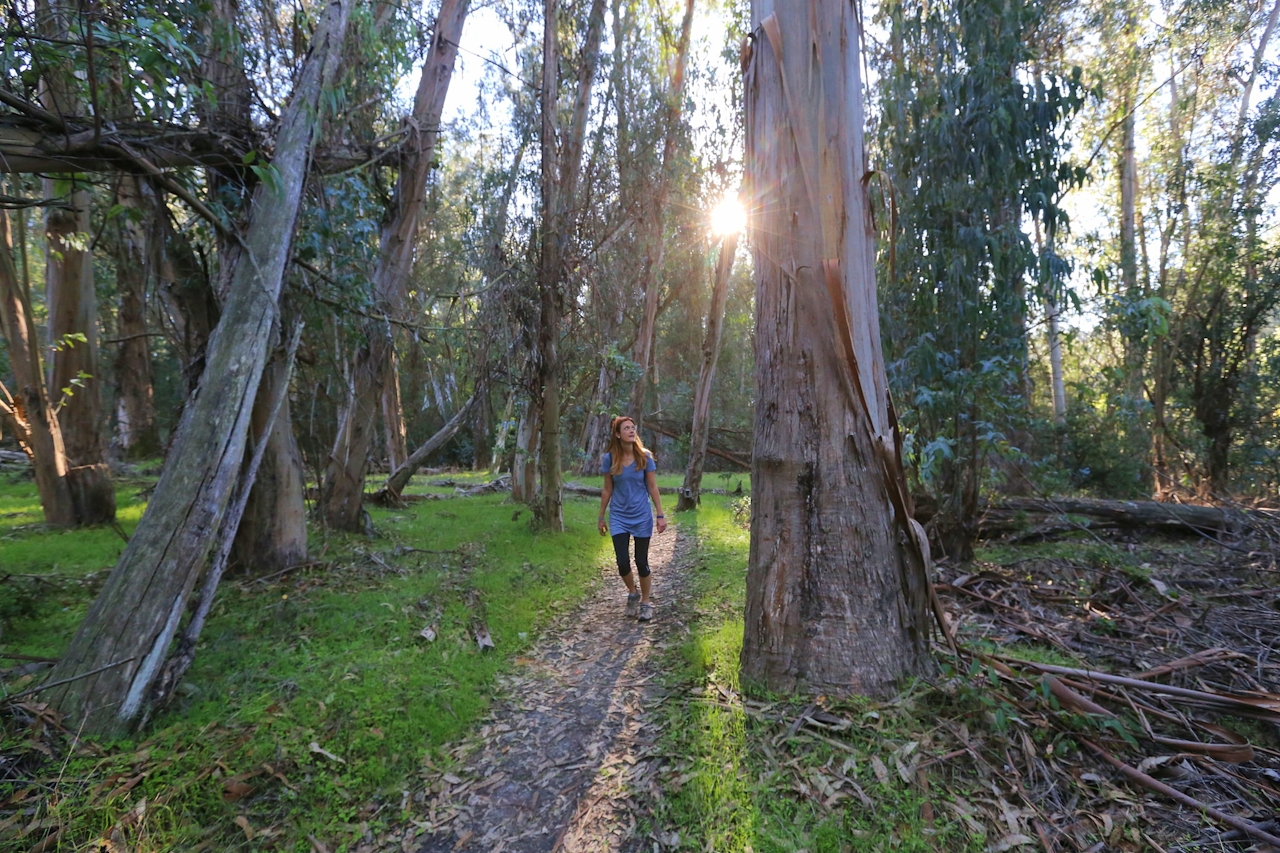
point(662, 524)
point(603, 526)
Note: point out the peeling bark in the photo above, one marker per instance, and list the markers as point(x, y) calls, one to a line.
point(837, 585)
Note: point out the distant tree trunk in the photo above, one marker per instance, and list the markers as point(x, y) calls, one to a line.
point(343, 488)
point(548, 509)
point(138, 434)
point(837, 581)
point(74, 378)
point(192, 308)
point(1135, 335)
point(559, 194)
point(30, 412)
point(1055, 364)
point(397, 446)
point(654, 244)
point(109, 667)
point(690, 492)
point(524, 464)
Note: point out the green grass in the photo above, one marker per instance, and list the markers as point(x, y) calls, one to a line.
point(50, 576)
point(739, 785)
point(332, 657)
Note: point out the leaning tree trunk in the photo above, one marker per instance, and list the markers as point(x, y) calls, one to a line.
point(401, 476)
point(343, 489)
point(690, 492)
point(30, 413)
point(837, 583)
point(104, 679)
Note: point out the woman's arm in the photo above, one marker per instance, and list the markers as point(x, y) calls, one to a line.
point(606, 492)
point(651, 483)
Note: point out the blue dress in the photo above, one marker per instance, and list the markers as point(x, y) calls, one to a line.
point(629, 510)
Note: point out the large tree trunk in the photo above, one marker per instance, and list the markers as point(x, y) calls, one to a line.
point(105, 676)
point(137, 433)
point(343, 487)
point(837, 583)
point(654, 244)
point(30, 413)
point(272, 533)
point(701, 431)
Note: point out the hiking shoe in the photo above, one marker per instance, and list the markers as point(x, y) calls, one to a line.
point(633, 604)
point(646, 612)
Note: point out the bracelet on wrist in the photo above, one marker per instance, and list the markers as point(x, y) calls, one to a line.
point(660, 515)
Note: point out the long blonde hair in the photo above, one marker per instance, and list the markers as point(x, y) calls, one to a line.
point(638, 451)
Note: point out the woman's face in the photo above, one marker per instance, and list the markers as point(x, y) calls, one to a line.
point(627, 431)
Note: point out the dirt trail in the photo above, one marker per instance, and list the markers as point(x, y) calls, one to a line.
point(566, 759)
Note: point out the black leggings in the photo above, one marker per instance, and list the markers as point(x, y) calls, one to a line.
point(642, 554)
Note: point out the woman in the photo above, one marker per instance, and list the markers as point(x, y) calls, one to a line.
point(630, 482)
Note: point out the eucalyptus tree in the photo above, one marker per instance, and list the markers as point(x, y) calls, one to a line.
point(837, 581)
point(105, 679)
point(373, 381)
point(1209, 171)
point(970, 148)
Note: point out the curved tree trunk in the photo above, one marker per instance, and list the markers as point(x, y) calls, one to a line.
point(343, 488)
point(113, 660)
point(701, 430)
point(837, 587)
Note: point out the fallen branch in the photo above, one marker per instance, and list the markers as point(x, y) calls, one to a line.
point(1250, 829)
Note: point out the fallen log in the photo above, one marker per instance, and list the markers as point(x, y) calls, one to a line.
point(1024, 519)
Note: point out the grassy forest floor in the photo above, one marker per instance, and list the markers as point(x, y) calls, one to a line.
point(346, 704)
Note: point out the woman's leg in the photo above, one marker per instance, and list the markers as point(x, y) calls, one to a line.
point(642, 566)
point(620, 549)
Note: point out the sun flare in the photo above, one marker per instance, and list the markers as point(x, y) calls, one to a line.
point(729, 216)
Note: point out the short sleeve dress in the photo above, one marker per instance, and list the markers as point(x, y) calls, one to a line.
point(629, 510)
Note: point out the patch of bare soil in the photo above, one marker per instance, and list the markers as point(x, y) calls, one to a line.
point(567, 754)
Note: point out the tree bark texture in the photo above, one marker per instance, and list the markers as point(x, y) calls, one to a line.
point(127, 632)
point(30, 412)
point(654, 244)
point(701, 428)
point(137, 433)
point(837, 585)
point(74, 378)
point(272, 533)
point(343, 487)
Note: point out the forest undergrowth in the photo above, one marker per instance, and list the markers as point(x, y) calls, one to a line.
point(322, 698)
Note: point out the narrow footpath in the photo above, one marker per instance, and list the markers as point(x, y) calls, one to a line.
point(566, 760)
